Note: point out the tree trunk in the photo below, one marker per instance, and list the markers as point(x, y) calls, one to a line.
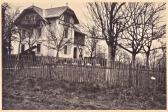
point(19, 54)
point(4, 50)
point(133, 59)
point(91, 54)
point(111, 53)
point(9, 43)
point(57, 54)
point(147, 60)
point(29, 43)
point(95, 51)
point(108, 72)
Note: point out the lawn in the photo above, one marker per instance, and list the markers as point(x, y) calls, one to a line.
point(37, 93)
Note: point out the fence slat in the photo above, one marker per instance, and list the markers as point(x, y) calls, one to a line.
point(86, 70)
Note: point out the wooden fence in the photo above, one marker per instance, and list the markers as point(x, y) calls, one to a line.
point(90, 71)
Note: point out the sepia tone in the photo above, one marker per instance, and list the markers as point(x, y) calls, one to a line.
point(114, 59)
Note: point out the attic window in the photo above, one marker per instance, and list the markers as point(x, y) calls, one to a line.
point(30, 18)
point(67, 18)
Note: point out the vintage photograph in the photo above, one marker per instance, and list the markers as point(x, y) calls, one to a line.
point(83, 55)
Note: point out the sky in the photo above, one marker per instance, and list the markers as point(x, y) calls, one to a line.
point(79, 6)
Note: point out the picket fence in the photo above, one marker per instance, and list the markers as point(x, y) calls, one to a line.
point(112, 74)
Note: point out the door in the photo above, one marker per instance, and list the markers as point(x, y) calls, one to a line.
point(75, 53)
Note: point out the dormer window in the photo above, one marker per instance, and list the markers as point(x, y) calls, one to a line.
point(30, 18)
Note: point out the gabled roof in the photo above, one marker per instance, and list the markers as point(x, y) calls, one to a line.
point(38, 10)
point(55, 12)
point(77, 29)
point(51, 12)
point(58, 11)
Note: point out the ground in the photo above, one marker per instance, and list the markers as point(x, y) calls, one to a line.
point(37, 93)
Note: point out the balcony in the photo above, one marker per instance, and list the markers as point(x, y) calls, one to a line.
point(79, 38)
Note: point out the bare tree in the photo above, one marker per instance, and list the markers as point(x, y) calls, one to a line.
point(91, 41)
point(135, 36)
point(150, 37)
point(110, 21)
point(162, 59)
point(57, 39)
point(31, 37)
point(123, 56)
point(155, 31)
point(4, 7)
point(8, 26)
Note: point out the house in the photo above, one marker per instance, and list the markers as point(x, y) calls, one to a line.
point(34, 24)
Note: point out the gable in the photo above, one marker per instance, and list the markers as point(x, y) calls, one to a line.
point(70, 13)
point(54, 12)
point(29, 17)
point(33, 16)
point(58, 12)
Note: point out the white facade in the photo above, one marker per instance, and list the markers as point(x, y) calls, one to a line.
point(57, 24)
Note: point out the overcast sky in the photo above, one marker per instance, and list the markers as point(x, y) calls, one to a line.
point(79, 6)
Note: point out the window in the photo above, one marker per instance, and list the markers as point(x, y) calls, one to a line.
point(38, 48)
point(27, 17)
point(66, 32)
point(66, 18)
point(22, 48)
point(30, 18)
point(80, 53)
point(75, 53)
point(65, 49)
point(34, 18)
point(23, 33)
point(39, 31)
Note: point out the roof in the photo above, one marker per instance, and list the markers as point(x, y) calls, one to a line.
point(37, 9)
point(58, 11)
point(52, 12)
point(34, 8)
point(55, 12)
point(77, 29)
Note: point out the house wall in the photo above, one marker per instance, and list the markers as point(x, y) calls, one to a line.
point(43, 40)
point(70, 48)
point(57, 25)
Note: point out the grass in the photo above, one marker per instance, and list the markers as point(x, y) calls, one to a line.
point(37, 93)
